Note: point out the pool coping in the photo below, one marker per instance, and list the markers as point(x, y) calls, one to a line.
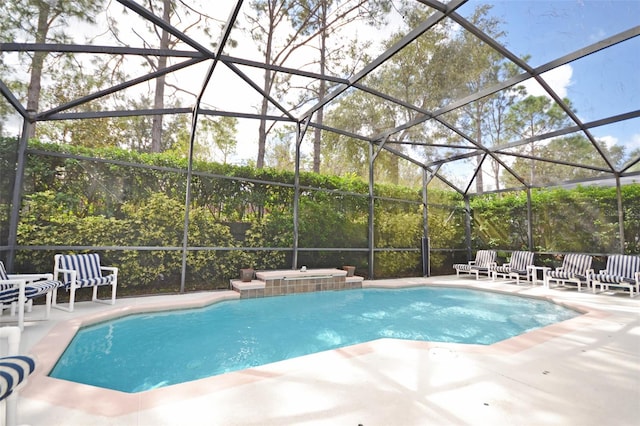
point(110, 403)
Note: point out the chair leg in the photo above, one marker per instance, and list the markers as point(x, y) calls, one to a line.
point(47, 311)
point(11, 409)
point(21, 303)
point(72, 298)
point(54, 300)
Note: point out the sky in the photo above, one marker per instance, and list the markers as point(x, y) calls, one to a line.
point(601, 85)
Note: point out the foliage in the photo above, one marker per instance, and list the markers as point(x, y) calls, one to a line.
point(40, 22)
point(584, 219)
point(112, 197)
point(570, 150)
point(132, 206)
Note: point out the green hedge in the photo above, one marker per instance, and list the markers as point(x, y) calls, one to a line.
point(112, 197)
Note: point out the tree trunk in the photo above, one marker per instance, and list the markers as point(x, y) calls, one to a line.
point(479, 180)
point(496, 173)
point(322, 90)
point(264, 108)
point(317, 134)
point(158, 100)
point(533, 164)
point(262, 129)
point(37, 64)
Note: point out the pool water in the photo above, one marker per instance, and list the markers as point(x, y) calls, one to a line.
point(147, 351)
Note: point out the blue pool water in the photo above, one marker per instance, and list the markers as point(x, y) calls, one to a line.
point(146, 351)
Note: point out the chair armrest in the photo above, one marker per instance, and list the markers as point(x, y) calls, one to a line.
point(472, 262)
point(73, 272)
point(30, 277)
point(14, 280)
point(112, 269)
point(21, 284)
point(602, 271)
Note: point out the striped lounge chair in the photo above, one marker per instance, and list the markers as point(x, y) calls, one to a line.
point(83, 270)
point(519, 266)
point(18, 290)
point(485, 260)
point(14, 370)
point(575, 269)
point(621, 271)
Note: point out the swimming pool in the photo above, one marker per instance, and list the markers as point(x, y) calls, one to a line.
point(147, 351)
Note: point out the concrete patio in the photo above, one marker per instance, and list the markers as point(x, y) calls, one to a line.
point(584, 371)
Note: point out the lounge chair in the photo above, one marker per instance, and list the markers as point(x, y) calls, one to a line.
point(621, 271)
point(485, 260)
point(18, 290)
point(83, 270)
point(519, 266)
point(14, 370)
point(575, 269)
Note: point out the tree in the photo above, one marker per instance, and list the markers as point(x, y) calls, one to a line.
point(533, 116)
point(573, 149)
point(424, 63)
point(282, 155)
point(161, 63)
point(74, 81)
point(216, 137)
point(498, 130)
point(482, 120)
point(270, 16)
point(325, 18)
point(187, 19)
point(281, 27)
point(42, 22)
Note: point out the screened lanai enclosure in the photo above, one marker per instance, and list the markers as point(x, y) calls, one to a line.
point(185, 140)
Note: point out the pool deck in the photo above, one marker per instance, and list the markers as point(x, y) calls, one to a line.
point(584, 371)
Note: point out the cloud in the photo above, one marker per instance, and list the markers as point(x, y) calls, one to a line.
point(558, 78)
point(631, 143)
point(609, 141)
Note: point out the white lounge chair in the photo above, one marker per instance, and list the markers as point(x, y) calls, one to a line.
point(575, 269)
point(83, 270)
point(18, 290)
point(518, 267)
point(483, 263)
point(14, 370)
point(621, 271)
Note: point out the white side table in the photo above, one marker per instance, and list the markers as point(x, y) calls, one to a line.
point(534, 274)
